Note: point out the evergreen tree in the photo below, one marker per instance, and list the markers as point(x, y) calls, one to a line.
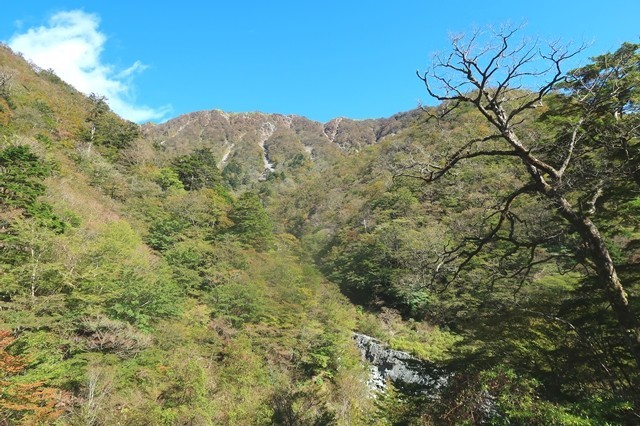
point(251, 222)
point(21, 175)
point(198, 170)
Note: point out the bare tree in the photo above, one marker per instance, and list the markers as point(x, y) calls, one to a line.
point(492, 78)
point(6, 78)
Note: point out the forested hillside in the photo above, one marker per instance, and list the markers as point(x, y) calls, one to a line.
point(139, 289)
point(212, 269)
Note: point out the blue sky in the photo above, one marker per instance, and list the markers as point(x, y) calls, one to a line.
point(356, 59)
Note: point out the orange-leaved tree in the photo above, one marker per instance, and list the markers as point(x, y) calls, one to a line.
point(23, 403)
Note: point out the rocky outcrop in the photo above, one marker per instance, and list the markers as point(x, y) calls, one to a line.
point(398, 367)
point(268, 142)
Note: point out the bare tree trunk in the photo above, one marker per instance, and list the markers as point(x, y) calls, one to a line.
point(489, 78)
point(605, 269)
point(34, 269)
point(598, 251)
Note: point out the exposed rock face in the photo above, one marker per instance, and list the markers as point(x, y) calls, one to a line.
point(401, 368)
point(263, 143)
point(411, 374)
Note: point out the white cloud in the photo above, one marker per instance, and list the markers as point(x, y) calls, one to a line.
point(71, 45)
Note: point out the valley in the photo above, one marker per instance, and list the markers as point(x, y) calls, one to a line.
point(213, 269)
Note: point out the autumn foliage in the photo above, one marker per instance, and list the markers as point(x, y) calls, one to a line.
point(23, 403)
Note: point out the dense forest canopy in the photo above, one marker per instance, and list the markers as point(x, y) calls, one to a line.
point(163, 274)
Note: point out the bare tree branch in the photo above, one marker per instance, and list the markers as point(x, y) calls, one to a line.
point(491, 78)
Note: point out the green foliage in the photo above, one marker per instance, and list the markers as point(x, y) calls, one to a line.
point(20, 401)
point(169, 179)
point(170, 302)
point(139, 300)
point(434, 346)
point(390, 260)
point(28, 252)
point(198, 170)
point(106, 130)
point(239, 302)
point(155, 307)
point(200, 265)
point(502, 397)
point(184, 215)
point(186, 399)
point(395, 409)
point(234, 174)
point(251, 223)
point(363, 269)
point(164, 233)
point(21, 175)
point(130, 284)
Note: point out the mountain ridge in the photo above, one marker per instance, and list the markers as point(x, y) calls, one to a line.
point(266, 143)
point(212, 269)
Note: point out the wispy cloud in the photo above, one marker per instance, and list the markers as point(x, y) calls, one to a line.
point(71, 44)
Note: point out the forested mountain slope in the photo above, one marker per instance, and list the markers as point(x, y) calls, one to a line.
point(244, 143)
point(137, 289)
point(212, 269)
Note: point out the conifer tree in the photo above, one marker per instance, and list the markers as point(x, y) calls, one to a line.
point(251, 222)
